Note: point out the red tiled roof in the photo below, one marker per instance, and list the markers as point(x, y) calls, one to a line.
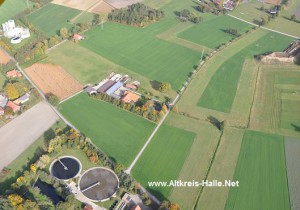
point(131, 86)
point(13, 73)
point(14, 106)
point(130, 97)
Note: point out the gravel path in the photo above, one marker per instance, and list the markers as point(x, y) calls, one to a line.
point(20, 133)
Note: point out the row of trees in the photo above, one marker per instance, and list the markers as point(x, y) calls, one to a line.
point(136, 14)
point(144, 107)
point(232, 31)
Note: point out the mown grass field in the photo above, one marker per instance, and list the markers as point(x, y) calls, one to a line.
point(163, 159)
point(11, 7)
point(222, 169)
point(221, 90)
point(197, 161)
point(138, 50)
point(51, 18)
point(90, 68)
point(276, 106)
point(118, 133)
point(211, 33)
point(261, 172)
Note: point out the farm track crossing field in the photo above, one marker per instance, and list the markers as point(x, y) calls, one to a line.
point(292, 153)
point(53, 79)
point(211, 33)
point(51, 18)
point(118, 133)
point(261, 172)
point(221, 90)
point(138, 50)
point(163, 159)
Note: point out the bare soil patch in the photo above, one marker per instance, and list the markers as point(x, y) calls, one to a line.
point(101, 7)
point(273, 2)
point(4, 58)
point(297, 12)
point(76, 4)
point(53, 79)
point(121, 3)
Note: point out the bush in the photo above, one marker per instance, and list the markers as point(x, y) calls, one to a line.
point(53, 99)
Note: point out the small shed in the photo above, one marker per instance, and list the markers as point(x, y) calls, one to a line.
point(78, 37)
point(90, 90)
point(3, 101)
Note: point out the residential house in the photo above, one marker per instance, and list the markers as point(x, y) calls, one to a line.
point(78, 37)
point(130, 97)
point(14, 106)
point(13, 74)
point(130, 86)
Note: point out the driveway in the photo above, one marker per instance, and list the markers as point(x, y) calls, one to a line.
point(20, 133)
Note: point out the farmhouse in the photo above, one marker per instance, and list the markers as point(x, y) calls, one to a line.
point(16, 34)
point(13, 106)
point(227, 4)
point(78, 37)
point(130, 97)
point(13, 74)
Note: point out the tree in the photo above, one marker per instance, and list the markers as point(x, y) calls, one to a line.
point(28, 204)
point(96, 19)
point(293, 17)
point(63, 33)
point(33, 168)
point(11, 91)
point(164, 87)
point(53, 99)
point(263, 21)
point(118, 168)
point(185, 13)
point(174, 206)
point(103, 18)
point(8, 111)
point(15, 199)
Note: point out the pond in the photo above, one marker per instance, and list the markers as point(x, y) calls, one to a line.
point(49, 191)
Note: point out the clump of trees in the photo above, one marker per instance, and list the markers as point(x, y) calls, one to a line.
point(164, 87)
point(232, 31)
point(15, 90)
point(186, 15)
point(166, 205)
point(136, 14)
point(53, 99)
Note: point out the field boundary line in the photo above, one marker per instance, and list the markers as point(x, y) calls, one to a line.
point(69, 97)
point(282, 33)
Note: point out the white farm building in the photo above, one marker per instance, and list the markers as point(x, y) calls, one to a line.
point(15, 34)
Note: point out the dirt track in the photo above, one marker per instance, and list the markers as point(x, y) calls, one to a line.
point(53, 79)
point(20, 133)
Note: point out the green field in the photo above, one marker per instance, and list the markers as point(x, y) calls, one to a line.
point(11, 7)
point(118, 133)
point(221, 90)
point(51, 18)
point(261, 172)
point(276, 106)
point(163, 159)
point(210, 33)
point(138, 50)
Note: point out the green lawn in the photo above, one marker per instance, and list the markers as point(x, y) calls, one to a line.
point(118, 133)
point(11, 7)
point(163, 159)
point(210, 33)
point(2, 81)
point(261, 172)
point(220, 91)
point(51, 18)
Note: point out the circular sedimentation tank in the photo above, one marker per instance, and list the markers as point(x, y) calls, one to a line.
point(66, 167)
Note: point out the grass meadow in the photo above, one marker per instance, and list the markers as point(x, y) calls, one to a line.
point(163, 159)
point(116, 132)
point(221, 90)
point(211, 33)
point(261, 172)
point(51, 18)
point(276, 106)
point(11, 7)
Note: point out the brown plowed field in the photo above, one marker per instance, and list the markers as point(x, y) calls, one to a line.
point(101, 7)
point(53, 79)
point(4, 58)
point(76, 4)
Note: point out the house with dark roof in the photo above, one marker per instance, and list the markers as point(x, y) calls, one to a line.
point(106, 86)
point(90, 90)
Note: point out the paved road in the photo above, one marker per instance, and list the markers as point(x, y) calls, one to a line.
point(263, 27)
point(20, 133)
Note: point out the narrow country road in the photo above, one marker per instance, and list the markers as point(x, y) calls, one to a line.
point(20, 133)
point(263, 27)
